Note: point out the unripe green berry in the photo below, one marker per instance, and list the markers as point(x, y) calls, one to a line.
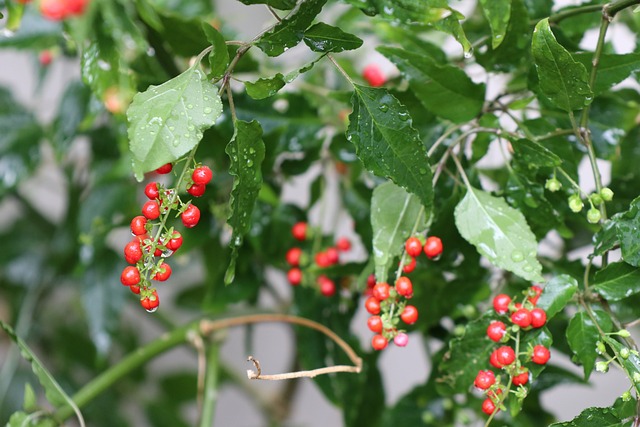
point(626, 396)
point(596, 199)
point(636, 377)
point(593, 215)
point(606, 194)
point(575, 203)
point(623, 333)
point(624, 353)
point(459, 330)
point(602, 367)
point(553, 185)
point(600, 348)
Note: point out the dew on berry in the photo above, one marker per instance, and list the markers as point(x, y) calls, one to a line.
point(151, 310)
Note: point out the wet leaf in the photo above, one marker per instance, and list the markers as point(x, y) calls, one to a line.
point(557, 293)
point(219, 56)
point(497, 13)
point(326, 38)
point(617, 281)
point(582, 335)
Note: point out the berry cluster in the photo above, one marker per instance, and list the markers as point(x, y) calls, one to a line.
point(523, 316)
point(299, 260)
point(153, 240)
point(58, 10)
point(388, 305)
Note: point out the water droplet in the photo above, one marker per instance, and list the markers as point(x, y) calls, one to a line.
point(384, 108)
point(190, 128)
point(251, 150)
point(207, 110)
point(423, 171)
point(528, 268)
point(186, 135)
point(172, 128)
point(151, 310)
point(517, 256)
point(206, 98)
point(249, 162)
point(190, 106)
point(166, 253)
point(403, 117)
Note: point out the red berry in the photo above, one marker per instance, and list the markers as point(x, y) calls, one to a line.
point(293, 256)
point(294, 276)
point(373, 75)
point(196, 190)
point(501, 303)
point(493, 359)
point(374, 323)
point(540, 355)
point(133, 251)
point(55, 10)
point(484, 379)
point(175, 242)
point(138, 224)
point(488, 407)
point(536, 291)
point(164, 273)
point(378, 342)
point(409, 315)
point(538, 317)
point(401, 340)
point(130, 276)
point(151, 210)
point(333, 256)
point(410, 266)
point(404, 287)
point(496, 331)
point(327, 286)
point(413, 246)
point(372, 305)
point(520, 379)
point(190, 216)
point(135, 289)
point(299, 231)
point(202, 175)
point(151, 190)
point(45, 57)
point(381, 291)
point(505, 355)
point(371, 281)
point(150, 303)
point(322, 260)
point(164, 169)
point(433, 247)
point(521, 317)
point(343, 244)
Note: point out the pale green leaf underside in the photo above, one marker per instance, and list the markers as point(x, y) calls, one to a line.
point(499, 232)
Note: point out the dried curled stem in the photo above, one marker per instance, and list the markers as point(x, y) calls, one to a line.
point(208, 326)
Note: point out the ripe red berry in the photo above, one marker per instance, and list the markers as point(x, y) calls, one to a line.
point(333, 256)
point(190, 216)
point(133, 251)
point(505, 355)
point(378, 342)
point(536, 291)
point(409, 315)
point(488, 407)
point(371, 281)
point(150, 303)
point(538, 317)
point(413, 246)
point(55, 10)
point(151, 190)
point(151, 210)
point(540, 355)
point(410, 266)
point(372, 305)
point(374, 323)
point(45, 58)
point(293, 256)
point(496, 331)
point(202, 175)
point(294, 276)
point(130, 276)
point(401, 340)
point(165, 169)
point(164, 273)
point(299, 231)
point(374, 75)
point(484, 379)
point(381, 291)
point(327, 286)
point(138, 224)
point(521, 317)
point(404, 287)
point(322, 260)
point(520, 379)
point(175, 242)
point(196, 190)
point(501, 303)
point(433, 247)
point(493, 359)
point(76, 7)
point(343, 244)
point(135, 289)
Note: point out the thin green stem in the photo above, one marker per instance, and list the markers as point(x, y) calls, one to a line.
point(211, 383)
point(555, 18)
point(342, 71)
point(461, 171)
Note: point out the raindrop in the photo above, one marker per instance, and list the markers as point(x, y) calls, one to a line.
point(517, 256)
point(251, 150)
point(151, 310)
point(190, 106)
point(166, 253)
point(423, 171)
point(384, 108)
point(249, 162)
point(527, 268)
point(207, 110)
point(5, 32)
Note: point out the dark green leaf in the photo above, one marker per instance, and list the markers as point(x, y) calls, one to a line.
point(219, 56)
point(605, 239)
point(627, 226)
point(246, 151)
point(445, 90)
point(387, 144)
point(264, 88)
point(71, 112)
point(277, 4)
point(185, 35)
point(394, 213)
point(167, 121)
point(497, 13)
point(617, 281)
point(562, 80)
point(499, 232)
point(36, 32)
point(557, 294)
point(290, 31)
point(326, 38)
point(593, 417)
point(612, 69)
point(531, 154)
point(582, 335)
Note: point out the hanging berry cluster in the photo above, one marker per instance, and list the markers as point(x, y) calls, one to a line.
point(303, 271)
point(508, 357)
point(154, 240)
point(388, 305)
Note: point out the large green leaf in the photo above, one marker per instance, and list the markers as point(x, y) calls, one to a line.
point(499, 232)
point(497, 13)
point(387, 144)
point(617, 281)
point(167, 121)
point(531, 154)
point(326, 38)
point(612, 69)
point(246, 151)
point(394, 213)
point(445, 90)
point(290, 31)
point(627, 225)
point(593, 417)
point(582, 335)
point(562, 80)
point(557, 293)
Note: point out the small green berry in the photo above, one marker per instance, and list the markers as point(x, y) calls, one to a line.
point(600, 348)
point(626, 396)
point(596, 199)
point(593, 215)
point(602, 367)
point(623, 333)
point(575, 203)
point(606, 194)
point(636, 377)
point(624, 353)
point(553, 185)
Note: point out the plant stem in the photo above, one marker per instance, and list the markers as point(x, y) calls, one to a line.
point(211, 383)
point(614, 7)
point(342, 71)
point(574, 12)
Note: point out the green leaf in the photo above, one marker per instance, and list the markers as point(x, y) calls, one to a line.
point(612, 69)
point(497, 13)
point(562, 80)
point(593, 417)
point(631, 364)
point(290, 31)
point(627, 226)
point(326, 38)
point(277, 4)
point(219, 56)
point(582, 335)
point(387, 144)
point(445, 90)
point(264, 88)
point(35, 32)
point(617, 281)
point(532, 154)
point(30, 399)
point(394, 213)
point(499, 232)
point(605, 239)
point(167, 121)
point(15, 10)
point(557, 294)
point(246, 151)
point(72, 110)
